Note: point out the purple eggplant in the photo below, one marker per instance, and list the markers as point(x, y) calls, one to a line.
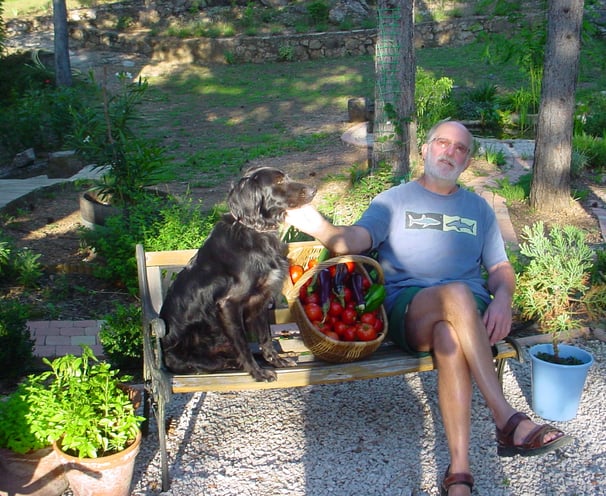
point(357, 290)
point(341, 273)
point(325, 284)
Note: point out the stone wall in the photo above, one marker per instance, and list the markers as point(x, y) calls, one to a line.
point(91, 28)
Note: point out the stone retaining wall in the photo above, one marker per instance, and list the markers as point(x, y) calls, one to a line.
point(91, 28)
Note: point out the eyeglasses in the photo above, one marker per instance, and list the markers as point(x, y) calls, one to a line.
point(444, 144)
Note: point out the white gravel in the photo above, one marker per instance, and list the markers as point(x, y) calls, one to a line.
point(378, 437)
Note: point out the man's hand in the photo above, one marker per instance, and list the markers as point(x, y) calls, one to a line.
point(497, 319)
point(306, 219)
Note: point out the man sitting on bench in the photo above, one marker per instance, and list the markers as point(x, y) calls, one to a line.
point(433, 239)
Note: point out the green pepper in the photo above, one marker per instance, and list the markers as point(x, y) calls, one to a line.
point(374, 297)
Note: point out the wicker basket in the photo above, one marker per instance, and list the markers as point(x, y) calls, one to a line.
point(318, 343)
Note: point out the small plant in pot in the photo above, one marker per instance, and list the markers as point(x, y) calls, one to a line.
point(80, 407)
point(552, 285)
point(552, 289)
point(104, 135)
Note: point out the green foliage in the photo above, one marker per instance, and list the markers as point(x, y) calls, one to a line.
point(16, 419)
point(34, 113)
point(514, 192)
point(365, 185)
point(18, 265)
point(156, 223)
point(432, 100)
point(590, 115)
point(286, 53)
point(121, 337)
point(16, 344)
point(104, 135)
point(318, 12)
point(593, 148)
point(79, 403)
point(495, 156)
point(551, 286)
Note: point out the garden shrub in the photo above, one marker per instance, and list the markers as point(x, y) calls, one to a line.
point(16, 344)
point(34, 113)
point(593, 148)
point(156, 223)
point(121, 337)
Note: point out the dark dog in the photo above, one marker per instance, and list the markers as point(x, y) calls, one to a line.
point(224, 293)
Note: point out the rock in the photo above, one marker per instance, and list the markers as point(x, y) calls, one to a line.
point(356, 10)
point(63, 164)
point(25, 158)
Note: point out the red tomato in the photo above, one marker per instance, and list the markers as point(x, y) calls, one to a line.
point(295, 271)
point(323, 327)
point(366, 283)
point(335, 308)
point(349, 334)
point(313, 298)
point(332, 335)
point(365, 332)
point(339, 327)
point(313, 312)
point(349, 316)
point(333, 270)
point(378, 325)
point(347, 294)
point(368, 318)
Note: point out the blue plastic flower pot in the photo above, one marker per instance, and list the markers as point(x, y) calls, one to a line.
point(557, 389)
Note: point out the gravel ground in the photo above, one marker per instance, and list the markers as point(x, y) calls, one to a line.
point(379, 437)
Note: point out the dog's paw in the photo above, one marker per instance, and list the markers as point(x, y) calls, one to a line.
point(281, 362)
point(264, 375)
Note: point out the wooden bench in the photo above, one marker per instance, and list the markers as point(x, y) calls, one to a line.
point(156, 271)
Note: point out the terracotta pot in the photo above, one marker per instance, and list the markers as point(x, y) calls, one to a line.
point(37, 473)
point(104, 476)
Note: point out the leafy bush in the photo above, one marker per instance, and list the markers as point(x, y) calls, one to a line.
point(432, 100)
point(318, 11)
point(551, 286)
point(593, 148)
point(121, 337)
point(156, 223)
point(17, 265)
point(16, 344)
point(35, 113)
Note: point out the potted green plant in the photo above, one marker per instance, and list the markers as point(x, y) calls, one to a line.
point(551, 290)
point(128, 165)
point(27, 459)
point(80, 407)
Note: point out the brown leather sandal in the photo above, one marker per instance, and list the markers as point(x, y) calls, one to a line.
point(533, 444)
point(454, 479)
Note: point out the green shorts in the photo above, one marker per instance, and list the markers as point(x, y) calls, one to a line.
point(397, 318)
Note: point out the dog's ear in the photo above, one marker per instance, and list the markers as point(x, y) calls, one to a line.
point(251, 201)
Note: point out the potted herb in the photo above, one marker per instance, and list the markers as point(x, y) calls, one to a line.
point(551, 290)
point(27, 459)
point(79, 406)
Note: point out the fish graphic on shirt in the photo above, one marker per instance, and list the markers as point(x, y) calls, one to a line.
point(423, 221)
point(440, 222)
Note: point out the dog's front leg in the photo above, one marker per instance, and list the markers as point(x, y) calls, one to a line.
point(233, 325)
point(259, 325)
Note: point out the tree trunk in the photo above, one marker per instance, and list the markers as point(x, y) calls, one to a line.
point(63, 71)
point(394, 87)
point(553, 147)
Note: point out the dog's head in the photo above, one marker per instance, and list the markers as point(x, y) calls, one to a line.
point(261, 197)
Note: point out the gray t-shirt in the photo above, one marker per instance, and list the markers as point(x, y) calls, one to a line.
point(426, 239)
